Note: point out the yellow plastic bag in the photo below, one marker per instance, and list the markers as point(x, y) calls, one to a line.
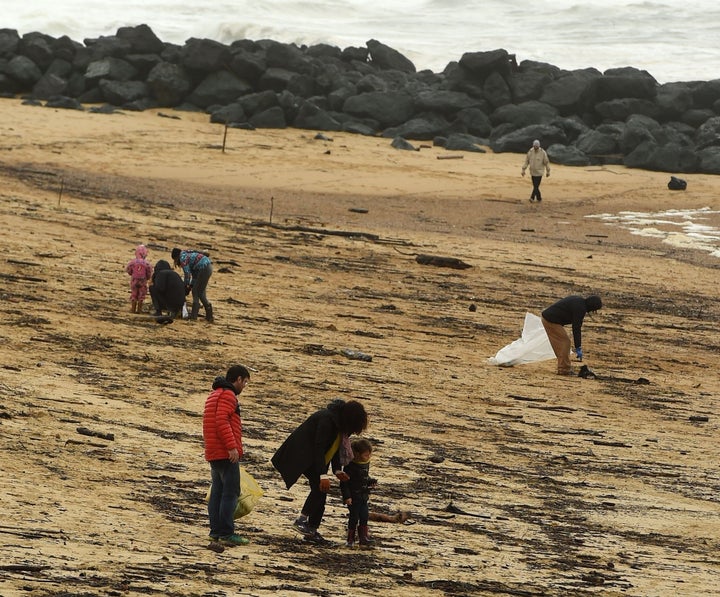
point(250, 494)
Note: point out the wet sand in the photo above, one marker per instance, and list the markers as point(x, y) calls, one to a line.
point(519, 482)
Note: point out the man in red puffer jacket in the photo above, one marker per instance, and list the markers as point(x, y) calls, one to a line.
point(222, 434)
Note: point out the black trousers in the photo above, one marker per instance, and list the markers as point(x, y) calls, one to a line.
point(314, 506)
point(536, 188)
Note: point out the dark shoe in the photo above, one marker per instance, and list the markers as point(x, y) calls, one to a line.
point(539, 199)
point(302, 527)
point(233, 540)
point(317, 539)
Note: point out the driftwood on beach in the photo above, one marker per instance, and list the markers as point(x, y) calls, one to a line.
point(583, 117)
point(451, 262)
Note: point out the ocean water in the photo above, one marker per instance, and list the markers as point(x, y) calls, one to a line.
point(674, 40)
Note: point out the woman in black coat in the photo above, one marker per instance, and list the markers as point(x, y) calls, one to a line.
point(167, 290)
point(323, 438)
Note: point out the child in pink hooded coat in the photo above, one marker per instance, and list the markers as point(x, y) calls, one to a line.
point(140, 272)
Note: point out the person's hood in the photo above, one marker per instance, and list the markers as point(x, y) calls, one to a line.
point(161, 265)
point(221, 382)
point(593, 302)
point(141, 252)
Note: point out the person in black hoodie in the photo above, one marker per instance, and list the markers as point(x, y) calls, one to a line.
point(570, 310)
point(167, 290)
point(356, 492)
point(321, 439)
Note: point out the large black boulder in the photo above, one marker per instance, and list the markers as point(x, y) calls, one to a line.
point(120, 93)
point(287, 57)
point(272, 118)
point(203, 56)
point(389, 109)
point(667, 158)
point(311, 117)
point(387, 58)
point(527, 85)
point(464, 142)
point(482, 64)
point(567, 155)
point(710, 160)
point(246, 64)
point(620, 109)
point(112, 68)
point(638, 130)
point(520, 140)
point(38, 47)
point(219, 87)
point(706, 93)
point(496, 90)
point(421, 128)
point(142, 39)
point(595, 143)
point(696, 117)
point(49, 85)
point(230, 114)
point(23, 71)
point(674, 99)
point(472, 121)
point(524, 114)
point(569, 93)
point(253, 103)
point(169, 84)
point(108, 46)
point(276, 79)
point(619, 84)
point(9, 41)
point(708, 135)
point(444, 101)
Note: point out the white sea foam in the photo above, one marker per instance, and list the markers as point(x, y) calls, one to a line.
point(673, 40)
point(697, 229)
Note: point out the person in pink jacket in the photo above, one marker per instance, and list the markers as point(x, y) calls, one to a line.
point(222, 435)
point(140, 271)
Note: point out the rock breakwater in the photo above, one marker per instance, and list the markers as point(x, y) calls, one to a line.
point(583, 117)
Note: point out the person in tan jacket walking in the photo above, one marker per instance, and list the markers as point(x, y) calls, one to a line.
point(537, 160)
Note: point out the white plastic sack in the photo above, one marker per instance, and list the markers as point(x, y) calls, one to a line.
point(531, 347)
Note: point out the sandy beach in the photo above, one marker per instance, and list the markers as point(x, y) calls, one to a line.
point(519, 482)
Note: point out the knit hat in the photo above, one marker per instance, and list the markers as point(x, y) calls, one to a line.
point(141, 252)
point(175, 254)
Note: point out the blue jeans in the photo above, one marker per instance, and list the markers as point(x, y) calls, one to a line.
point(224, 495)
